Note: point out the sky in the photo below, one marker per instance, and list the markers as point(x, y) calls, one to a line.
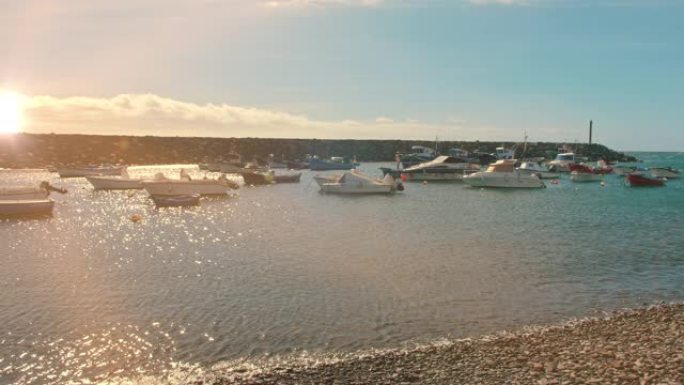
point(458, 70)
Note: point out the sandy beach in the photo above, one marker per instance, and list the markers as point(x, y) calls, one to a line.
point(642, 346)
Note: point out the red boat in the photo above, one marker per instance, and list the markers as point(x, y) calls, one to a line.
point(590, 170)
point(639, 180)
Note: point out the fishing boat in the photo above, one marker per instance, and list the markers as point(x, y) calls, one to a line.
point(584, 173)
point(354, 182)
point(123, 182)
point(664, 172)
point(334, 163)
point(76, 172)
point(256, 177)
point(442, 168)
point(503, 174)
point(26, 207)
point(176, 200)
point(161, 185)
point(418, 154)
point(563, 161)
point(534, 167)
point(623, 170)
point(637, 179)
point(287, 178)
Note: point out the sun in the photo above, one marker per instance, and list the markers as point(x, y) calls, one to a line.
point(10, 113)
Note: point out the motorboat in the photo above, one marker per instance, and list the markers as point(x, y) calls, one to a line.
point(664, 172)
point(323, 179)
point(442, 168)
point(503, 174)
point(42, 191)
point(504, 153)
point(123, 182)
point(26, 207)
point(76, 172)
point(623, 170)
point(534, 167)
point(418, 154)
point(354, 182)
point(637, 179)
point(176, 200)
point(161, 185)
point(256, 177)
point(287, 178)
point(334, 163)
point(563, 161)
point(584, 173)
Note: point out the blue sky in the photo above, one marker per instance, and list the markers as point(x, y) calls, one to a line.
point(487, 70)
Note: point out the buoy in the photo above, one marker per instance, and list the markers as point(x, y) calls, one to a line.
point(603, 184)
point(424, 182)
point(136, 218)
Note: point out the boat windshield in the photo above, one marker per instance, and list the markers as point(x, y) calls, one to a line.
point(569, 157)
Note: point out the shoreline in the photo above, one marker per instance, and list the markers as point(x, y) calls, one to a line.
point(631, 346)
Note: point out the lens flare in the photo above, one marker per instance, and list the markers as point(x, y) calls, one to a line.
point(10, 113)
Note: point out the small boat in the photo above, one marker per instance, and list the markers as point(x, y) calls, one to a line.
point(123, 182)
point(288, 178)
point(161, 185)
point(323, 179)
point(418, 154)
point(26, 207)
point(40, 192)
point(664, 172)
point(584, 173)
point(637, 179)
point(176, 200)
point(503, 174)
point(257, 178)
point(77, 172)
point(533, 167)
point(504, 153)
point(442, 168)
point(334, 163)
point(354, 182)
point(623, 170)
point(563, 161)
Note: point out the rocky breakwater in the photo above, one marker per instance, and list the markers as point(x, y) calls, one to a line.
point(643, 346)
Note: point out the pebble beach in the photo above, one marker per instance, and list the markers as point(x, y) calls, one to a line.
point(639, 346)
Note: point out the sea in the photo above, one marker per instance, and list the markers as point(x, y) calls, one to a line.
point(282, 272)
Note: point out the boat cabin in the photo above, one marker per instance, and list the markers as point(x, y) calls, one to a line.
point(503, 153)
point(566, 157)
point(503, 165)
point(422, 150)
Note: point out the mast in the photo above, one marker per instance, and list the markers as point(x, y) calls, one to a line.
point(591, 128)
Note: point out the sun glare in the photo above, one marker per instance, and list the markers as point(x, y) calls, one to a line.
point(10, 113)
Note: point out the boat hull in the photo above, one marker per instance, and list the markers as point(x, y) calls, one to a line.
point(176, 200)
point(503, 180)
point(338, 188)
point(170, 188)
point(29, 207)
point(109, 183)
point(435, 176)
point(83, 172)
point(293, 178)
point(663, 173)
point(23, 193)
point(257, 178)
point(542, 174)
point(638, 180)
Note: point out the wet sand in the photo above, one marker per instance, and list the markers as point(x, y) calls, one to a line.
point(642, 346)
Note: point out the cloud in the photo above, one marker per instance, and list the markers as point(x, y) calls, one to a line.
point(504, 2)
point(300, 3)
point(149, 114)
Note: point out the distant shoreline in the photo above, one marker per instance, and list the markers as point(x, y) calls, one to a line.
point(55, 150)
point(630, 346)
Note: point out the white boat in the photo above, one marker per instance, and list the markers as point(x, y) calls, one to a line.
point(563, 161)
point(13, 208)
point(623, 170)
point(161, 185)
point(580, 176)
point(353, 182)
point(442, 168)
point(503, 153)
point(323, 179)
point(503, 174)
point(115, 183)
point(88, 171)
point(532, 167)
point(664, 172)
